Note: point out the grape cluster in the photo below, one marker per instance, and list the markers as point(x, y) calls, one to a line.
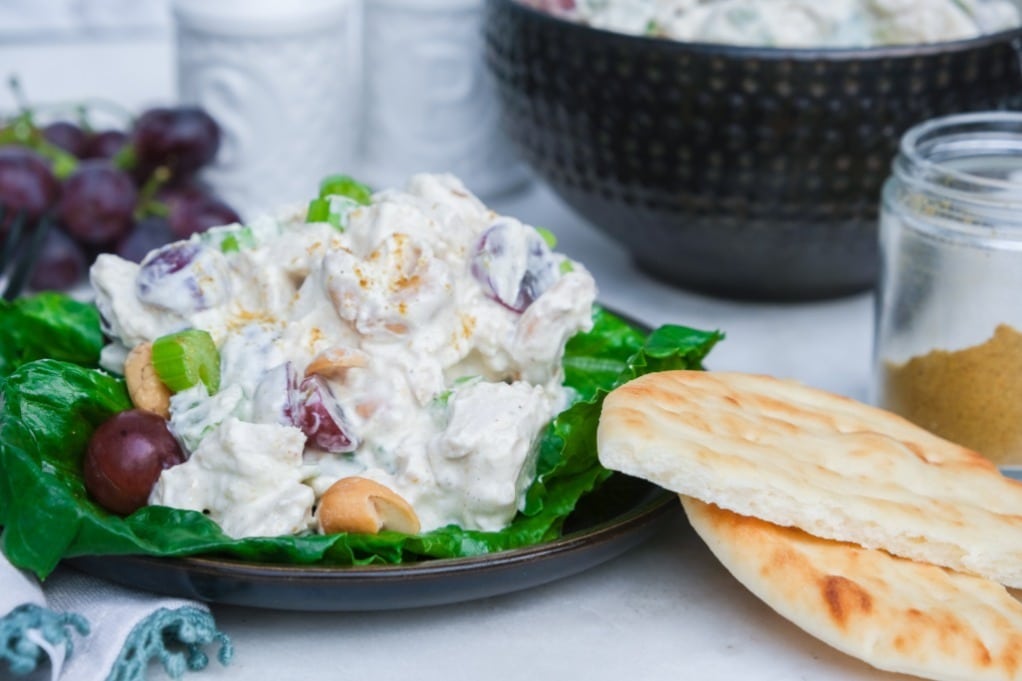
point(121, 191)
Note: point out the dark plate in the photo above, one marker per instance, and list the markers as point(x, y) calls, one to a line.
point(1014, 472)
point(623, 514)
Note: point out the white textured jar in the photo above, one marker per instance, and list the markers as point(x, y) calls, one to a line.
point(430, 105)
point(282, 79)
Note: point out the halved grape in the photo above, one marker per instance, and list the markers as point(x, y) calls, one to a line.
point(321, 418)
point(174, 258)
point(183, 277)
point(513, 264)
point(185, 358)
point(276, 399)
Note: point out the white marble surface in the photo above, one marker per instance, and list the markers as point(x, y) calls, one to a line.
point(666, 610)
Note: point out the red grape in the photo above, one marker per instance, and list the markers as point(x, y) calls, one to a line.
point(145, 235)
point(555, 6)
point(105, 144)
point(27, 184)
point(98, 202)
point(125, 457)
point(67, 136)
point(167, 261)
point(193, 209)
point(59, 265)
point(514, 265)
point(183, 277)
point(275, 399)
point(321, 419)
point(182, 139)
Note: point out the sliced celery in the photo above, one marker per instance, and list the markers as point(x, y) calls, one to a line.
point(319, 211)
point(230, 244)
point(185, 359)
point(549, 237)
point(343, 185)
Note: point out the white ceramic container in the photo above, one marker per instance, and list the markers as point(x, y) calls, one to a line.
point(283, 81)
point(429, 102)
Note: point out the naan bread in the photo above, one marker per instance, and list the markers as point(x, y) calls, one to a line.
point(834, 467)
point(895, 614)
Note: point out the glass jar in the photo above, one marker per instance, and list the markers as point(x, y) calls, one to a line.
point(948, 344)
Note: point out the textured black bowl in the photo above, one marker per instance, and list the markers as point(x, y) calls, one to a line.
point(742, 172)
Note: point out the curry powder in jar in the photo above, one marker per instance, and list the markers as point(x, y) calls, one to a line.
point(971, 396)
point(948, 350)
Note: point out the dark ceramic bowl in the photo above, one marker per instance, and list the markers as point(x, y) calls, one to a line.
point(741, 172)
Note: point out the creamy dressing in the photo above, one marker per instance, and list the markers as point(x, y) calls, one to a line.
point(445, 323)
point(246, 476)
point(487, 437)
point(800, 23)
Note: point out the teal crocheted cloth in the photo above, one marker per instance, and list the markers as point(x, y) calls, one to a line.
point(18, 650)
point(173, 637)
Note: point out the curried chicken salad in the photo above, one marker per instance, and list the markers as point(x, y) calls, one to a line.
point(795, 23)
point(413, 339)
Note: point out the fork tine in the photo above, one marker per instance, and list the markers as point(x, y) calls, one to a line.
point(13, 241)
point(27, 260)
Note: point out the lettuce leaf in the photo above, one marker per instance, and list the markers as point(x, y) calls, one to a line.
point(49, 325)
point(50, 407)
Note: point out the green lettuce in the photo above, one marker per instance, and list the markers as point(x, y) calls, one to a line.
point(49, 325)
point(53, 396)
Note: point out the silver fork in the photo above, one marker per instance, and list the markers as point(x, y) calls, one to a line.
point(20, 250)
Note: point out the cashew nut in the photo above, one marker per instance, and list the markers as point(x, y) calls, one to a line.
point(362, 506)
point(144, 386)
point(335, 362)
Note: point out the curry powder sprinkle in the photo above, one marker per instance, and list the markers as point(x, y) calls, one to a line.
point(971, 396)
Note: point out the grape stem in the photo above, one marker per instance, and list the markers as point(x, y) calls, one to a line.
point(148, 205)
point(80, 108)
point(18, 93)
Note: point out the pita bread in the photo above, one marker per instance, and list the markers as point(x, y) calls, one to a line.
point(834, 467)
point(895, 614)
